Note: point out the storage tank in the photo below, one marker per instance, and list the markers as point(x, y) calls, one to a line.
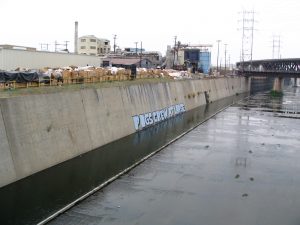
point(204, 61)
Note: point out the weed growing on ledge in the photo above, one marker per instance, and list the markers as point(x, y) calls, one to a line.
point(276, 93)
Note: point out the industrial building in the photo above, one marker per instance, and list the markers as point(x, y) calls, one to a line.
point(17, 47)
point(125, 62)
point(134, 50)
point(184, 56)
point(154, 57)
point(14, 57)
point(91, 45)
point(150, 59)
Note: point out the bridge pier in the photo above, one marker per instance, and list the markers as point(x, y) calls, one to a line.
point(295, 81)
point(277, 86)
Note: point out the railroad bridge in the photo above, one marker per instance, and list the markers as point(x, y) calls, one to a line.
point(278, 68)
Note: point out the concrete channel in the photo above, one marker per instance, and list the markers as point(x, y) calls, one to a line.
point(239, 167)
point(32, 200)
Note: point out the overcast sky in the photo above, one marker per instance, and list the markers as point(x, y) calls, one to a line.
point(155, 23)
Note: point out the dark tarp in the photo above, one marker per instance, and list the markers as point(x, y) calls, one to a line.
point(19, 77)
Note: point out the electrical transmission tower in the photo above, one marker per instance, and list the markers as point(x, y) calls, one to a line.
point(247, 35)
point(276, 47)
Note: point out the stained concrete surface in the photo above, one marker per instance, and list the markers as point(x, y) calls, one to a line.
point(241, 167)
point(45, 130)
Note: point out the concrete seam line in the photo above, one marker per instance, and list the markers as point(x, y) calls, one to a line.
point(70, 205)
point(7, 138)
point(82, 98)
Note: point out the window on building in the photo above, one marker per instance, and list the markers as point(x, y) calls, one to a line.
point(92, 47)
point(106, 42)
point(101, 50)
point(82, 47)
point(108, 49)
point(83, 40)
point(104, 49)
point(92, 40)
point(92, 54)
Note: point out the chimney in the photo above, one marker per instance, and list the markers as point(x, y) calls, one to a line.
point(76, 38)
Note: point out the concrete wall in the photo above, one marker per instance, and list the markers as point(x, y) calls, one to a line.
point(10, 59)
point(39, 131)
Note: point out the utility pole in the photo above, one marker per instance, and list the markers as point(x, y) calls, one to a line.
point(218, 55)
point(66, 44)
point(177, 49)
point(55, 44)
point(136, 50)
point(225, 56)
point(44, 44)
point(61, 49)
point(174, 51)
point(141, 54)
point(115, 37)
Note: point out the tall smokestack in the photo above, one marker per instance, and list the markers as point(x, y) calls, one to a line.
point(76, 38)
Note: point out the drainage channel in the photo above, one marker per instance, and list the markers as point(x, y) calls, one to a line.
point(42, 196)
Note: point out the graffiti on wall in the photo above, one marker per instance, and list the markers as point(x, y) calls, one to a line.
point(147, 119)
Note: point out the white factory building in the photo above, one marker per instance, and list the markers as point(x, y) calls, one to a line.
point(87, 51)
point(13, 57)
point(91, 45)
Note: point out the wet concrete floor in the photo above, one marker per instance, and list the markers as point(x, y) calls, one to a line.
point(241, 167)
point(33, 199)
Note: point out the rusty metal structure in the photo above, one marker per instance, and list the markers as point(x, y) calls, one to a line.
point(270, 67)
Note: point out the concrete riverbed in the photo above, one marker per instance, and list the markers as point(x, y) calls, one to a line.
point(239, 167)
point(34, 199)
